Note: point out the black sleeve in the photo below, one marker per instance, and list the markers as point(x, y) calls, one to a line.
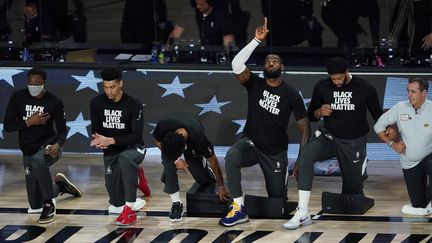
point(250, 82)
point(11, 120)
point(206, 147)
point(157, 132)
point(60, 121)
point(373, 103)
point(298, 107)
point(137, 124)
point(94, 117)
point(316, 102)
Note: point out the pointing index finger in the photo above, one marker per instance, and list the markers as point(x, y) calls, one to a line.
point(265, 23)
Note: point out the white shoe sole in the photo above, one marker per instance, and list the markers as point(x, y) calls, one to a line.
point(47, 221)
point(139, 204)
point(38, 210)
point(176, 220)
point(241, 221)
point(410, 210)
point(34, 211)
point(293, 227)
point(70, 184)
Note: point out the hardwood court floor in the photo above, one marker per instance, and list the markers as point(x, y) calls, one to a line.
point(86, 219)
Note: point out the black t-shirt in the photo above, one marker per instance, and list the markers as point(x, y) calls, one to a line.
point(122, 120)
point(197, 142)
point(348, 119)
point(21, 106)
point(214, 26)
point(269, 110)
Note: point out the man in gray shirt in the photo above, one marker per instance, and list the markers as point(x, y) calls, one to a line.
point(414, 122)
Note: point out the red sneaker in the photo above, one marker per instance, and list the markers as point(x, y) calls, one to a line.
point(142, 182)
point(127, 217)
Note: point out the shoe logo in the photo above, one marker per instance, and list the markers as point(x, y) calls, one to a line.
point(356, 160)
point(303, 219)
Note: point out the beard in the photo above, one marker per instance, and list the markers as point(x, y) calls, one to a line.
point(272, 74)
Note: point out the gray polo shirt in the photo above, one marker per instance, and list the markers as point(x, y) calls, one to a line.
point(415, 127)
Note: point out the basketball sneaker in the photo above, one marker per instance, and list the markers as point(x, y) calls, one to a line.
point(143, 185)
point(48, 213)
point(237, 215)
point(138, 204)
point(127, 217)
point(176, 212)
point(301, 218)
point(31, 210)
point(409, 209)
point(66, 186)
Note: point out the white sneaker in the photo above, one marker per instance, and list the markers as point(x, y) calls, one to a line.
point(139, 203)
point(409, 209)
point(301, 218)
point(38, 210)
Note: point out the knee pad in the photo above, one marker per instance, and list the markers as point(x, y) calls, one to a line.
point(204, 200)
point(268, 207)
point(232, 156)
point(345, 203)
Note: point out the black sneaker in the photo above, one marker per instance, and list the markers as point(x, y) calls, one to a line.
point(176, 212)
point(66, 186)
point(48, 213)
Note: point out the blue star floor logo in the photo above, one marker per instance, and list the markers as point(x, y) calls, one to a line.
point(78, 126)
point(213, 106)
point(7, 74)
point(175, 87)
point(88, 81)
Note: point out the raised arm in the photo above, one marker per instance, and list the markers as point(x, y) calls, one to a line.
point(238, 64)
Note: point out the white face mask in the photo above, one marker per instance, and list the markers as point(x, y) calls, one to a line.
point(35, 90)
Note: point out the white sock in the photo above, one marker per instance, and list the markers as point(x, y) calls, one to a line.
point(303, 203)
point(175, 197)
point(239, 200)
point(130, 204)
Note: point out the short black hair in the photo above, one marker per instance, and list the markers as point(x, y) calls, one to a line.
point(173, 145)
point(336, 65)
point(423, 83)
point(110, 74)
point(37, 71)
point(273, 54)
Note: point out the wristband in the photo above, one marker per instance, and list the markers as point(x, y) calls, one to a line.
point(259, 42)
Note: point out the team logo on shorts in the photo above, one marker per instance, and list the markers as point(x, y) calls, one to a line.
point(357, 157)
point(278, 169)
point(108, 170)
point(27, 171)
